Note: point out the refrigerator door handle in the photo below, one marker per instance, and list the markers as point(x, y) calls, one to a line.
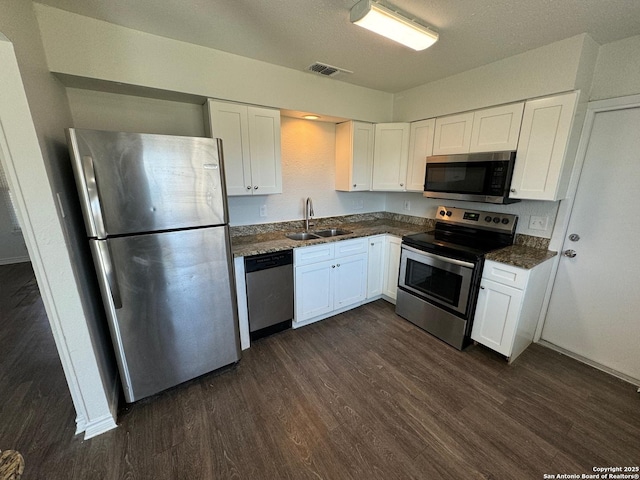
point(94, 198)
point(110, 274)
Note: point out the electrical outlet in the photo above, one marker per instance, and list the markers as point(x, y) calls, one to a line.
point(538, 223)
point(263, 210)
point(407, 205)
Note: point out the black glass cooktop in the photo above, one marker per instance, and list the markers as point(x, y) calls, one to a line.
point(464, 243)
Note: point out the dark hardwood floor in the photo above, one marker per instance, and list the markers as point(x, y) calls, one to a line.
point(362, 395)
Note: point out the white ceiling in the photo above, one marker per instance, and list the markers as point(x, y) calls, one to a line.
point(296, 33)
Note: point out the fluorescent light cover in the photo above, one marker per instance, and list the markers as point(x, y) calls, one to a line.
point(390, 24)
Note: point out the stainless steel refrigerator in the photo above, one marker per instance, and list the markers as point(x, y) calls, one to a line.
point(156, 216)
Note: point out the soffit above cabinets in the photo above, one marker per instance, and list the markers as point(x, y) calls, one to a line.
point(295, 34)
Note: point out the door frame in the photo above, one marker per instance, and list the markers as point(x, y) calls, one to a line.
point(565, 209)
point(25, 170)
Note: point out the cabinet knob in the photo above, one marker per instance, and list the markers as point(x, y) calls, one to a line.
point(248, 187)
point(513, 190)
point(338, 265)
point(481, 287)
point(333, 266)
point(354, 185)
point(402, 184)
point(256, 187)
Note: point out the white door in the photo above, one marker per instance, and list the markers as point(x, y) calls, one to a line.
point(594, 309)
point(390, 156)
point(314, 290)
point(350, 277)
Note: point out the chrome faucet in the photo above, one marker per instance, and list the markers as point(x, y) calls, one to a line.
point(308, 213)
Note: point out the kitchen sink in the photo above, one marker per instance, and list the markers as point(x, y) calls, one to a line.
point(302, 236)
point(332, 232)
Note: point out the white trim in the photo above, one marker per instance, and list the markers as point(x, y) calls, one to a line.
point(241, 300)
point(591, 363)
point(18, 144)
point(12, 260)
point(99, 425)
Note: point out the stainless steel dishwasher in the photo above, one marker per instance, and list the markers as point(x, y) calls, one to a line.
point(269, 292)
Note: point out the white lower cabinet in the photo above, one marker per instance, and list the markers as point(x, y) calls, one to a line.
point(375, 270)
point(329, 278)
point(509, 306)
point(391, 267)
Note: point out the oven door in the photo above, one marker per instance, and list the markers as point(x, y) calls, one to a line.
point(442, 281)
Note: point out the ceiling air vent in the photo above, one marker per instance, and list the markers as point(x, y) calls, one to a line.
point(326, 70)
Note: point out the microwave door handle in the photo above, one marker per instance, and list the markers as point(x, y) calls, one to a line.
point(438, 257)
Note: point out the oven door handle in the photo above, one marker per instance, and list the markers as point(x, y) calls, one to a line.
point(462, 263)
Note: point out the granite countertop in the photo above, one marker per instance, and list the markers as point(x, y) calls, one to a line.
point(267, 238)
point(270, 237)
point(521, 256)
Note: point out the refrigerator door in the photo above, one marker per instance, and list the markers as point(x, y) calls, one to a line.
point(134, 183)
point(171, 306)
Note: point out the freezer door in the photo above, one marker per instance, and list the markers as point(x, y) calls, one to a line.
point(134, 183)
point(171, 306)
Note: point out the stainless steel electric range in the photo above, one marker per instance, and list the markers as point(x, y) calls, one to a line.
point(440, 270)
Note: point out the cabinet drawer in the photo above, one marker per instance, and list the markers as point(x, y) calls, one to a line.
point(344, 248)
point(505, 274)
point(313, 254)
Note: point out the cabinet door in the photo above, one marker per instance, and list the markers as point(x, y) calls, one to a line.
point(229, 122)
point(497, 316)
point(541, 171)
point(420, 147)
point(496, 129)
point(375, 266)
point(390, 156)
point(350, 280)
point(453, 134)
point(354, 156)
point(313, 290)
point(392, 266)
point(264, 141)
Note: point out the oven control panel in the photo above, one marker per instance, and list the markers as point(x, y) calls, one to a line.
point(487, 220)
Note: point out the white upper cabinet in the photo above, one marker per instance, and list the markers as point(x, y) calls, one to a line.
point(390, 156)
point(496, 129)
point(488, 130)
point(251, 146)
point(542, 170)
point(453, 134)
point(354, 156)
point(420, 147)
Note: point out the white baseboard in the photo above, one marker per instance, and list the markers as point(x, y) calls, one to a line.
point(106, 422)
point(81, 424)
point(591, 363)
point(99, 426)
point(12, 260)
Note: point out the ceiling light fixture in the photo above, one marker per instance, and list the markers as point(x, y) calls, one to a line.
point(390, 24)
point(311, 117)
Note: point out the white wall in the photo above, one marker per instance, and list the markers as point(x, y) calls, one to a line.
point(557, 67)
point(426, 207)
point(127, 113)
point(39, 157)
point(88, 48)
point(617, 71)
point(308, 154)
point(308, 170)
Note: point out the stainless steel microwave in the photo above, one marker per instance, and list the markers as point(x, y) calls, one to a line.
point(473, 177)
